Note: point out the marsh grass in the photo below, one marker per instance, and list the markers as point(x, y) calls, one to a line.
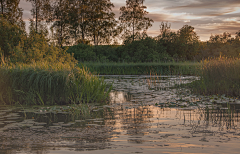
point(220, 76)
point(170, 68)
point(45, 83)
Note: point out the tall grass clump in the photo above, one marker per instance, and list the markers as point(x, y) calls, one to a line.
point(44, 83)
point(219, 76)
point(161, 68)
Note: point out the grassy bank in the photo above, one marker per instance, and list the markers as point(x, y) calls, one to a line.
point(219, 76)
point(170, 68)
point(49, 84)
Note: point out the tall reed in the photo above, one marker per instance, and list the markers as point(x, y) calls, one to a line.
point(170, 68)
point(219, 76)
point(46, 83)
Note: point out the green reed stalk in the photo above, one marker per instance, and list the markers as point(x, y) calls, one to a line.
point(49, 84)
point(219, 76)
point(171, 68)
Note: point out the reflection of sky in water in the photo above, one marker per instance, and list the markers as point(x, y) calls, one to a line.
point(130, 123)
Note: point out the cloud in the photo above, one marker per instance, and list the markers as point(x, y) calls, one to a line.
point(206, 16)
point(206, 4)
point(158, 17)
point(153, 32)
point(26, 6)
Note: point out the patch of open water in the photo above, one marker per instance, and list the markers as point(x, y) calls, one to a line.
point(146, 114)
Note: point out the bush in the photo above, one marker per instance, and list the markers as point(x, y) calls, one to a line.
point(82, 52)
point(35, 48)
point(10, 37)
point(144, 50)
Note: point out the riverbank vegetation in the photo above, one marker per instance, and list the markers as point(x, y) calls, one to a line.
point(43, 83)
point(169, 46)
point(219, 76)
point(93, 39)
point(169, 68)
point(36, 72)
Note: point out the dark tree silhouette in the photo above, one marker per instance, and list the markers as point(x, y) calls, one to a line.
point(133, 18)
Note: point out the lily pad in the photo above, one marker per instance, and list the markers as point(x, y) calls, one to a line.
point(40, 123)
point(36, 127)
point(79, 120)
point(9, 121)
point(55, 126)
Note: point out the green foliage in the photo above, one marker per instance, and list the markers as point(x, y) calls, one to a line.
point(36, 72)
point(12, 13)
point(83, 52)
point(10, 37)
point(219, 76)
point(35, 48)
point(183, 45)
point(221, 45)
point(142, 50)
point(40, 10)
point(133, 18)
point(47, 83)
point(169, 68)
point(102, 22)
point(17, 47)
point(60, 18)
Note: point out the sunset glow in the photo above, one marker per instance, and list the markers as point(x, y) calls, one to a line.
point(207, 17)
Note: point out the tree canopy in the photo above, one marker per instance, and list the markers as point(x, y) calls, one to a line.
point(133, 18)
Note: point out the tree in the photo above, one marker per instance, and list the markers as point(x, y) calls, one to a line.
point(11, 12)
point(133, 18)
point(102, 23)
point(40, 11)
point(167, 40)
point(78, 20)
point(10, 37)
point(60, 19)
point(188, 42)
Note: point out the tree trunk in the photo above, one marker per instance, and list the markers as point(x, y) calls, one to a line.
point(36, 13)
point(133, 30)
point(2, 7)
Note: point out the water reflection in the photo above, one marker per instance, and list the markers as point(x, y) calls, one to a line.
point(136, 120)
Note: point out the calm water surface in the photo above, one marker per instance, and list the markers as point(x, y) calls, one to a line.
point(145, 115)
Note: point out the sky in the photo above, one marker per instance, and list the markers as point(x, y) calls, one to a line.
point(206, 16)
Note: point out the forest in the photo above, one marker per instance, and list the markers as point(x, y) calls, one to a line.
point(90, 30)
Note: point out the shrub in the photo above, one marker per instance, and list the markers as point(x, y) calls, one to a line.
point(10, 37)
point(82, 52)
point(47, 83)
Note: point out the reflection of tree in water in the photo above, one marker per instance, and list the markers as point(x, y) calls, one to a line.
point(136, 121)
point(119, 97)
point(126, 115)
point(210, 120)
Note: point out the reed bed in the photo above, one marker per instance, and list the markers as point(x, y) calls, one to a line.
point(220, 76)
point(170, 68)
point(50, 84)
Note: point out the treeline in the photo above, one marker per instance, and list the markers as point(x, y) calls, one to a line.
point(81, 21)
point(70, 22)
point(88, 25)
point(183, 45)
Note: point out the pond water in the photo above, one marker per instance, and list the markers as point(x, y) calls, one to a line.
point(146, 114)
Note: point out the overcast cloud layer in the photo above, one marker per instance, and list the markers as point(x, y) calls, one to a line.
point(206, 16)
